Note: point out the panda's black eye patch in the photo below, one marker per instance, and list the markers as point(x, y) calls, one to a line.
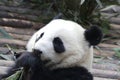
point(41, 35)
point(58, 45)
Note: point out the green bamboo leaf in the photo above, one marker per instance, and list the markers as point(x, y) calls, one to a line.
point(82, 1)
point(99, 3)
point(15, 76)
point(117, 52)
point(4, 34)
point(6, 57)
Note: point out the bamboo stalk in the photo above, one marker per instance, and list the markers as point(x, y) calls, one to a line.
point(108, 45)
point(12, 42)
point(3, 70)
point(16, 23)
point(106, 74)
point(105, 67)
point(6, 63)
point(109, 15)
point(4, 14)
point(20, 10)
point(115, 20)
point(5, 50)
point(20, 31)
point(115, 27)
point(111, 9)
point(98, 78)
point(20, 37)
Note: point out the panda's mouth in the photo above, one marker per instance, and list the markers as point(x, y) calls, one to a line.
point(49, 64)
point(46, 61)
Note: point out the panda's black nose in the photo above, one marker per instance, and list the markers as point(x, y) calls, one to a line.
point(37, 52)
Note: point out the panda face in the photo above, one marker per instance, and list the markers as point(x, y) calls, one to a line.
point(63, 44)
point(57, 44)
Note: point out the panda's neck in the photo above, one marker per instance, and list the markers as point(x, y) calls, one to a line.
point(88, 60)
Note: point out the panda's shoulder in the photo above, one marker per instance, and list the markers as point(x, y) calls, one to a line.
point(75, 73)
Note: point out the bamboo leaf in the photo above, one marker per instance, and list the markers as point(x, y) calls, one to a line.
point(82, 1)
point(117, 52)
point(99, 3)
point(6, 57)
point(14, 76)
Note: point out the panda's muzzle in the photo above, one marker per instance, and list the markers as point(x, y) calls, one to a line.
point(37, 52)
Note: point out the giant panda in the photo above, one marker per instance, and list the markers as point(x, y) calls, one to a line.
point(61, 50)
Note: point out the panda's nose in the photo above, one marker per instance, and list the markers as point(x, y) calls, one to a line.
point(37, 52)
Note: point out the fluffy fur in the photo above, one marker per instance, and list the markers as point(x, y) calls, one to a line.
point(78, 52)
point(62, 50)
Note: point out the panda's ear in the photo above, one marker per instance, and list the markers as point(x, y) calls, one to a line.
point(93, 35)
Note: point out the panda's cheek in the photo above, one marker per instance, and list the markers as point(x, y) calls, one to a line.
point(47, 55)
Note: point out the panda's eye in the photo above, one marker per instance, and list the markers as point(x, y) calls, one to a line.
point(58, 45)
point(41, 35)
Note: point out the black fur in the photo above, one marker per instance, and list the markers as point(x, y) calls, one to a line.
point(35, 70)
point(58, 45)
point(37, 52)
point(93, 35)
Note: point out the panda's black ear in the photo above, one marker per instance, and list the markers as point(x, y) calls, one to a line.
point(93, 35)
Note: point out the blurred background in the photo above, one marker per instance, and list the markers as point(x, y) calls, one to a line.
point(19, 19)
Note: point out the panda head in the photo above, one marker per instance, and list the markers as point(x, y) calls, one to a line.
point(63, 44)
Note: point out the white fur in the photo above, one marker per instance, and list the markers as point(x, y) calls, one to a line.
point(78, 52)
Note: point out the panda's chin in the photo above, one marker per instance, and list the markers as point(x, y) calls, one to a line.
point(52, 65)
point(49, 64)
point(56, 65)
